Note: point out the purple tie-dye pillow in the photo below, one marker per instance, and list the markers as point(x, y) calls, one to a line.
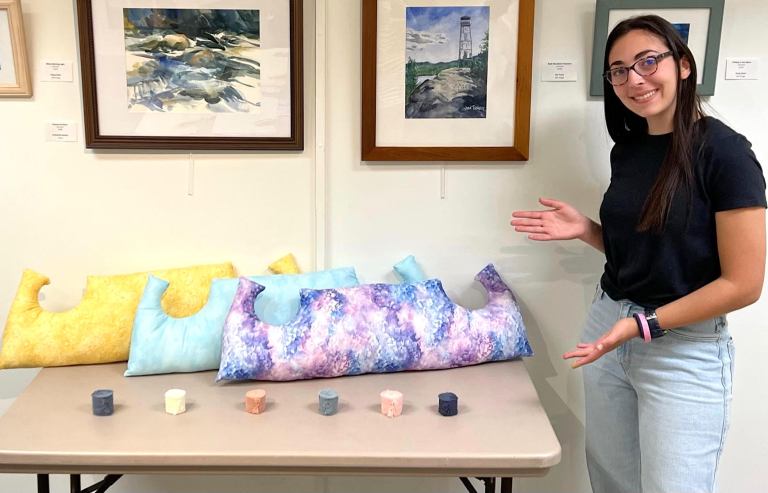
point(372, 328)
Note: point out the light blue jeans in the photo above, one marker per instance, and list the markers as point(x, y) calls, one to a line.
point(656, 413)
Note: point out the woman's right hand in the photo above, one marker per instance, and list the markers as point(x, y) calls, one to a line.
point(560, 222)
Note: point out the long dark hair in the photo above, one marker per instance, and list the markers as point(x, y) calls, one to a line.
point(676, 172)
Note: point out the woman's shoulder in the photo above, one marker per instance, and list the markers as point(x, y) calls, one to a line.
point(723, 148)
point(716, 134)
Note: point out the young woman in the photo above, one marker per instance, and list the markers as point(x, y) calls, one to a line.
point(682, 225)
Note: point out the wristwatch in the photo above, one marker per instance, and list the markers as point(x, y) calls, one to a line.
point(653, 324)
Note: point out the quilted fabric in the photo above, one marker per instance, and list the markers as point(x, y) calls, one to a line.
point(98, 329)
point(164, 344)
point(371, 328)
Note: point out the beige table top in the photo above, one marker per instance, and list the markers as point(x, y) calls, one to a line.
point(501, 429)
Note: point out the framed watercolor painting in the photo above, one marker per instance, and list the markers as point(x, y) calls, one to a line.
point(14, 70)
point(698, 21)
point(446, 83)
point(192, 74)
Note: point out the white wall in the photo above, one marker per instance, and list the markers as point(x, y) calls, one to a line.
point(70, 212)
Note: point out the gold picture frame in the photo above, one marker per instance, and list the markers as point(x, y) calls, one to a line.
point(14, 69)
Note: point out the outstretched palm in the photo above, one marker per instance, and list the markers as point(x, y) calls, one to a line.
point(560, 222)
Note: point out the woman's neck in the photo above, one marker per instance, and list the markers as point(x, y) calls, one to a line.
point(660, 124)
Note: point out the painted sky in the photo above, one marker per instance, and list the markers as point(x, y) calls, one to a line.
point(432, 33)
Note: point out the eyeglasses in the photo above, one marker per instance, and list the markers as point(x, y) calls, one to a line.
point(644, 67)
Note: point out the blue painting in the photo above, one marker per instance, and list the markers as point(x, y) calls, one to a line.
point(192, 60)
point(683, 30)
point(446, 70)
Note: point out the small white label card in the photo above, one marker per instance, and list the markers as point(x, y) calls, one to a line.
point(564, 71)
point(742, 68)
point(55, 71)
point(61, 131)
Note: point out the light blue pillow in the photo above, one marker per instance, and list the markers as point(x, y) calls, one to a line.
point(164, 344)
point(409, 270)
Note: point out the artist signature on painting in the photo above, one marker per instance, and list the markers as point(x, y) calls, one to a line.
point(473, 107)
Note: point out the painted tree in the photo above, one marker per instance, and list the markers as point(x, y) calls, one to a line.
point(480, 67)
point(410, 77)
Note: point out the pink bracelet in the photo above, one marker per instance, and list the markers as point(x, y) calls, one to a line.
point(643, 323)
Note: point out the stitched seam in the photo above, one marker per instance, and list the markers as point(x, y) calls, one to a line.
point(687, 337)
point(725, 415)
point(623, 351)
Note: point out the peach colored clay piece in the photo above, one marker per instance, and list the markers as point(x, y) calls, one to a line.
point(256, 401)
point(391, 403)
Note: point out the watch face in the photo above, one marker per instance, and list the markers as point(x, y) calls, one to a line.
point(653, 324)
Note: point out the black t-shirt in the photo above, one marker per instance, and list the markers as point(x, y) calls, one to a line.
point(653, 269)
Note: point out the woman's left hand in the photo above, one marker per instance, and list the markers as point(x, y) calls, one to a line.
point(622, 331)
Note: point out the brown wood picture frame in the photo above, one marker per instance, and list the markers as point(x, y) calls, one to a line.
point(95, 138)
point(21, 85)
point(517, 152)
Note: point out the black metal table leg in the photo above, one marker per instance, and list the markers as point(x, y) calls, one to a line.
point(490, 484)
point(43, 483)
point(74, 483)
point(470, 488)
point(103, 485)
point(506, 485)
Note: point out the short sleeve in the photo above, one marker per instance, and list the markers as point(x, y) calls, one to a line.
point(735, 175)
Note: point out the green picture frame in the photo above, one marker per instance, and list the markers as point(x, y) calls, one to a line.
point(707, 66)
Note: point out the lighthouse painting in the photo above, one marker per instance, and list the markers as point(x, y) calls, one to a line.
point(446, 70)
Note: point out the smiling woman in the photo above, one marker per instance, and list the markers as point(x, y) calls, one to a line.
point(682, 226)
point(698, 22)
point(649, 91)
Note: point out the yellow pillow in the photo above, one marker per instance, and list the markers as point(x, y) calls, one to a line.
point(285, 265)
point(98, 330)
